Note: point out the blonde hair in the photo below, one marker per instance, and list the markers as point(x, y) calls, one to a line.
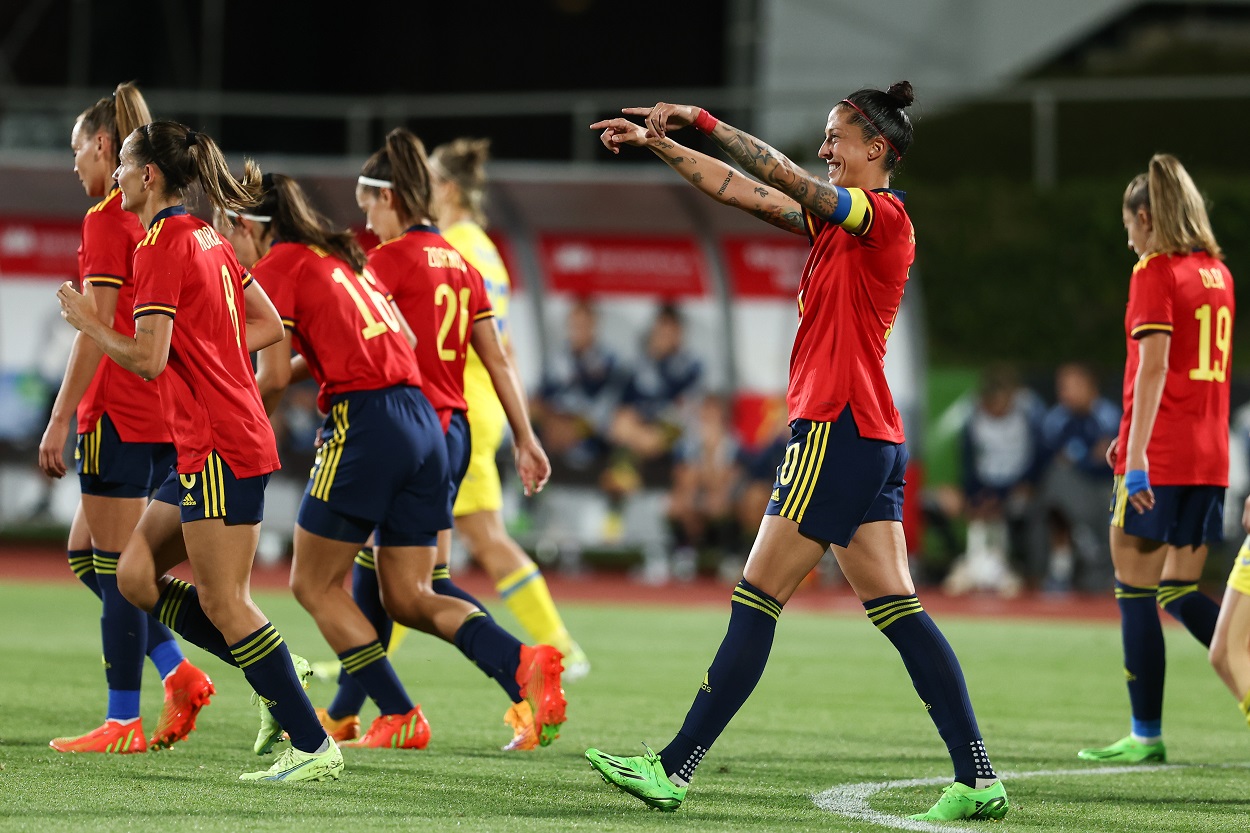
point(1177, 210)
point(119, 115)
point(463, 162)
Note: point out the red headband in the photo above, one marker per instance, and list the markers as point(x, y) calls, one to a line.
point(880, 132)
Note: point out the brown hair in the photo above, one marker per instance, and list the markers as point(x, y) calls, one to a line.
point(188, 158)
point(463, 162)
point(119, 115)
point(1178, 213)
point(296, 221)
point(402, 161)
point(884, 114)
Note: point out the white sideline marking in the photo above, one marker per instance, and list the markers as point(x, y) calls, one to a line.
point(851, 800)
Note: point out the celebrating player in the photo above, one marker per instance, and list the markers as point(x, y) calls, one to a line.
point(841, 482)
point(124, 450)
point(197, 316)
point(458, 180)
point(1171, 456)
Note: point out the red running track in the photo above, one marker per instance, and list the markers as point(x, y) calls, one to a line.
point(47, 564)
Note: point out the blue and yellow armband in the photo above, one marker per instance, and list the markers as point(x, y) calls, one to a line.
point(853, 208)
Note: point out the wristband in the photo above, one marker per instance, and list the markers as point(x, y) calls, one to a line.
point(1136, 481)
point(705, 122)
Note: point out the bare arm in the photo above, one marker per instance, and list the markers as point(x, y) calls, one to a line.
point(273, 372)
point(84, 361)
point(1152, 372)
point(145, 354)
point(409, 335)
point(264, 325)
point(531, 461)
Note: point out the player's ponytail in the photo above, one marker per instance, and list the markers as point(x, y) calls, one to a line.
point(1178, 212)
point(883, 113)
point(462, 162)
point(294, 220)
point(187, 157)
point(118, 115)
point(402, 163)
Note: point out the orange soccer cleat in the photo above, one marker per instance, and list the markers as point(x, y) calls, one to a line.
point(343, 729)
point(538, 675)
point(119, 738)
point(396, 731)
point(187, 690)
point(521, 718)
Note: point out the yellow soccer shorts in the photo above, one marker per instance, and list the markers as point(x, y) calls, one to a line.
point(481, 491)
point(1239, 577)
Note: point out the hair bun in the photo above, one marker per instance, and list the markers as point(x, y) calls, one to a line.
point(902, 93)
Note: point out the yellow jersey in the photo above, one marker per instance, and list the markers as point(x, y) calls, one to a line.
point(476, 247)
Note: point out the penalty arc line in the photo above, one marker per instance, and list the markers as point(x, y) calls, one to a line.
point(851, 800)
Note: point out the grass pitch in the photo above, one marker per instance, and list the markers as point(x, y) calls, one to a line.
point(835, 708)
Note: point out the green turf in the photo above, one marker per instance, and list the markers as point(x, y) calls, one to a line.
point(834, 708)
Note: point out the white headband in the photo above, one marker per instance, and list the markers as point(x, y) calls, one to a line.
point(255, 218)
point(376, 183)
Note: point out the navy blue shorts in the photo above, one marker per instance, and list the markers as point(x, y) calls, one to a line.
point(214, 493)
point(108, 467)
point(459, 450)
point(832, 480)
point(1184, 516)
point(383, 466)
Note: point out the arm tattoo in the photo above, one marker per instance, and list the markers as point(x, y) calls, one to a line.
point(773, 168)
point(145, 331)
point(697, 178)
point(762, 191)
point(725, 184)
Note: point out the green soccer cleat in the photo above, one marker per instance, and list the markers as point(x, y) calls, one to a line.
point(960, 801)
point(294, 765)
point(1127, 751)
point(643, 777)
point(270, 729)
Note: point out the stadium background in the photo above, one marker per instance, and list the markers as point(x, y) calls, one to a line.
point(1030, 118)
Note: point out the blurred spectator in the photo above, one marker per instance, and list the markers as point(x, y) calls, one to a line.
point(705, 476)
point(1001, 451)
point(1071, 511)
point(578, 395)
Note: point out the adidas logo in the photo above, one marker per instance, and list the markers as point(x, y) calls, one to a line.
point(707, 685)
point(188, 501)
point(776, 495)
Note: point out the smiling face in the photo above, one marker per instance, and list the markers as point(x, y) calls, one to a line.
point(378, 206)
point(93, 160)
point(132, 177)
point(853, 162)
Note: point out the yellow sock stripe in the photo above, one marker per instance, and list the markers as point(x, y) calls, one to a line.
point(1137, 593)
point(365, 559)
point(81, 565)
point(1171, 593)
point(909, 604)
point(257, 648)
point(364, 657)
point(441, 573)
point(477, 614)
point(515, 579)
point(882, 625)
point(771, 604)
point(175, 595)
point(814, 475)
point(746, 600)
point(800, 471)
point(103, 564)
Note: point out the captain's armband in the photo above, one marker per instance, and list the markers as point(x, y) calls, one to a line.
point(853, 209)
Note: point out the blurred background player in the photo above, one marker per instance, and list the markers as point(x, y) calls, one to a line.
point(458, 192)
point(841, 481)
point(1171, 455)
point(123, 453)
point(209, 509)
point(1230, 646)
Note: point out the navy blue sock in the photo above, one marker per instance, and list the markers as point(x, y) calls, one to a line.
point(1191, 607)
point(369, 667)
point(82, 565)
point(938, 679)
point(444, 586)
point(124, 629)
point(492, 649)
point(1145, 660)
point(266, 663)
point(179, 609)
point(350, 697)
point(733, 675)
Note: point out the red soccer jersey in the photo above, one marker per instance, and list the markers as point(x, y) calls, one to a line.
point(849, 295)
point(442, 296)
point(183, 269)
point(109, 236)
point(1189, 297)
point(340, 322)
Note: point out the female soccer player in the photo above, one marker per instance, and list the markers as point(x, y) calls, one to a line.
point(458, 177)
point(841, 482)
point(1171, 456)
point(197, 316)
point(445, 302)
point(123, 450)
point(1230, 646)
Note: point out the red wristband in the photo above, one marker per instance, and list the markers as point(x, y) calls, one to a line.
point(705, 122)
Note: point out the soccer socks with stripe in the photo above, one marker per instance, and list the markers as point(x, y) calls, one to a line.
point(369, 667)
point(124, 633)
point(492, 649)
point(526, 594)
point(351, 695)
point(266, 663)
point(735, 671)
point(938, 679)
point(179, 610)
point(1191, 607)
point(444, 586)
point(1145, 661)
point(81, 563)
